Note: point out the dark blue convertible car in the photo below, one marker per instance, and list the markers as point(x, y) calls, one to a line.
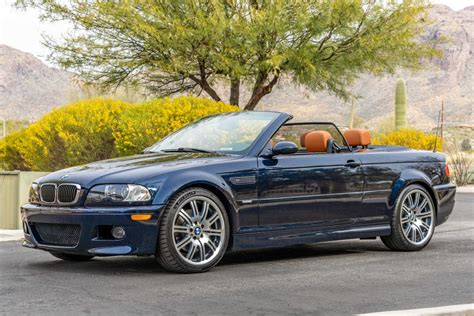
point(238, 181)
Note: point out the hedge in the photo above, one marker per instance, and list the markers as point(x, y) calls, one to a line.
point(97, 129)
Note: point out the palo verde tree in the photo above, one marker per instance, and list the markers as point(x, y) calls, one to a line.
point(177, 46)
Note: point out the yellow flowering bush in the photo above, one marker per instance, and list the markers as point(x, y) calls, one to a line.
point(71, 135)
point(141, 125)
point(97, 129)
point(411, 138)
point(11, 148)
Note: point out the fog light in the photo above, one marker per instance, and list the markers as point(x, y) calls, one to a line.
point(118, 232)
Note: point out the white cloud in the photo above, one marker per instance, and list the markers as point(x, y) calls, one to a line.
point(455, 4)
point(22, 29)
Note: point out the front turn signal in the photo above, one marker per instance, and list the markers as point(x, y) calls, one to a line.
point(141, 217)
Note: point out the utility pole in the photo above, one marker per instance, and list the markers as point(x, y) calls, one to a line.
point(352, 114)
point(442, 122)
point(3, 136)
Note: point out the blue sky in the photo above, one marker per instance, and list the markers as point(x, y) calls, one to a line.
point(23, 29)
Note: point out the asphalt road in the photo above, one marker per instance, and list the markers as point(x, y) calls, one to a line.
point(328, 278)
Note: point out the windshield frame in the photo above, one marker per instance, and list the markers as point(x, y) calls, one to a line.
point(273, 125)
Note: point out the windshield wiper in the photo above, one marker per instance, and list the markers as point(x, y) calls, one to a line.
point(187, 150)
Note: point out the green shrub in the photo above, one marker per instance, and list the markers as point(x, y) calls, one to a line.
point(97, 129)
point(466, 144)
point(411, 138)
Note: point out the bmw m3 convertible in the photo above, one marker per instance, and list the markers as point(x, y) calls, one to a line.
point(238, 181)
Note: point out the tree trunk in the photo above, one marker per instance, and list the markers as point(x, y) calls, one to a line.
point(234, 91)
point(259, 92)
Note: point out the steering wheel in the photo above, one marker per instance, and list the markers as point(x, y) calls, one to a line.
point(336, 148)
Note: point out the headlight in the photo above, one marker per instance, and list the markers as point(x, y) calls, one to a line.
point(34, 193)
point(118, 193)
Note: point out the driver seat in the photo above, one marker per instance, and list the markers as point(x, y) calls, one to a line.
point(319, 142)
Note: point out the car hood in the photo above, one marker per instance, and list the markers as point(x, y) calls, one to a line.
point(132, 169)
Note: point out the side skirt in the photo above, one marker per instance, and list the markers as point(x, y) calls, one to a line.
point(284, 238)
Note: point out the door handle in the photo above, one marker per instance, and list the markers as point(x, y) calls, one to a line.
point(352, 164)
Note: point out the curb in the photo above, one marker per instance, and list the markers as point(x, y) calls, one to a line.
point(453, 310)
point(11, 234)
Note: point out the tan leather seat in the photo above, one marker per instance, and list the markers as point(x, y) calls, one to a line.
point(317, 141)
point(302, 138)
point(358, 137)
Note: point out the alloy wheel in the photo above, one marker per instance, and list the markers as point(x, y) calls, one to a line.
point(198, 230)
point(417, 217)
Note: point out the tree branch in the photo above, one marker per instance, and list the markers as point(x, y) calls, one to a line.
point(202, 81)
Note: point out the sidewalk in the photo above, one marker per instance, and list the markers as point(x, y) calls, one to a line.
point(466, 189)
point(11, 234)
point(454, 310)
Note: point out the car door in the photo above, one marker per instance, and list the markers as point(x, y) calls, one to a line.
point(310, 189)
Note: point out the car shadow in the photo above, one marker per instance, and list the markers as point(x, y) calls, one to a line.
point(323, 249)
point(147, 265)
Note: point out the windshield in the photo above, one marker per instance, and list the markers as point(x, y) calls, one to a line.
point(230, 133)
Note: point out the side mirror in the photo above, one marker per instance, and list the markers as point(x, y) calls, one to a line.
point(284, 148)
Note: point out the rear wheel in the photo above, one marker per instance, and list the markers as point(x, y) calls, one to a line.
point(69, 257)
point(194, 232)
point(413, 220)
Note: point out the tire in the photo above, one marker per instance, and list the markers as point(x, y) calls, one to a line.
point(194, 232)
point(413, 220)
point(69, 257)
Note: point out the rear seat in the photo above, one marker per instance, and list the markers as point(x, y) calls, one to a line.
point(358, 137)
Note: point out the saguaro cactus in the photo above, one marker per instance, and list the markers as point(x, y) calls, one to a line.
point(400, 105)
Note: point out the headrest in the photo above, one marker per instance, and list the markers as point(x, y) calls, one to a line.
point(302, 138)
point(357, 137)
point(317, 141)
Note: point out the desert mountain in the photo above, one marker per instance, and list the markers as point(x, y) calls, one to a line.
point(29, 88)
point(451, 78)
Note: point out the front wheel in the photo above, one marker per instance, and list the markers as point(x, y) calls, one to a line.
point(70, 257)
point(413, 220)
point(194, 232)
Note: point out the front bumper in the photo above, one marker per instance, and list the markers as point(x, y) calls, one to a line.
point(140, 238)
point(445, 196)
